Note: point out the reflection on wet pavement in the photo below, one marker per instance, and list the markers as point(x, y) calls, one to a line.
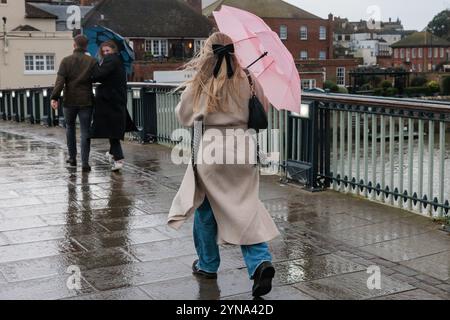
point(113, 227)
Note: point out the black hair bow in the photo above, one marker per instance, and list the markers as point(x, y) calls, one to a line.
point(223, 52)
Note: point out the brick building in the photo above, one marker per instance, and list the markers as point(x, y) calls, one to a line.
point(420, 52)
point(308, 37)
point(163, 33)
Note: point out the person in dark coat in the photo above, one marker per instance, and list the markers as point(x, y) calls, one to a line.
point(111, 119)
point(74, 77)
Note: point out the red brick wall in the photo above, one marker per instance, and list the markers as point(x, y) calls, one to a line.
point(313, 45)
point(385, 61)
point(145, 70)
point(425, 61)
point(317, 69)
point(139, 47)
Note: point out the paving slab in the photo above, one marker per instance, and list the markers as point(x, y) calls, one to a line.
point(436, 265)
point(351, 286)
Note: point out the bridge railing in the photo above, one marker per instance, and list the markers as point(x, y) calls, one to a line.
point(395, 151)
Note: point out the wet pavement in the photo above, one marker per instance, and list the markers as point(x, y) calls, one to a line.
point(112, 227)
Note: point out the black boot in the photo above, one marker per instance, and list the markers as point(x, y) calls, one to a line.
point(262, 278)
point(196, 271)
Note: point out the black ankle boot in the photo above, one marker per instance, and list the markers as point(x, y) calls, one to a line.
point(262, 279)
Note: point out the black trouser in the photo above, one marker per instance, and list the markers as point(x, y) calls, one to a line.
point(85, 116)
point(116, 149)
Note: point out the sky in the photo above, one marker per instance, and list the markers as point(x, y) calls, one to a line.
point(414, 14)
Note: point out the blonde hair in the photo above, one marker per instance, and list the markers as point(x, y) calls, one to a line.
point(218, 90)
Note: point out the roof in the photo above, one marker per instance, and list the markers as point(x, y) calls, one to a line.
point(58, 10)
point(25, 27)
point(421, 39)
point(263, 9)
point(33, 12)
point(149, 18)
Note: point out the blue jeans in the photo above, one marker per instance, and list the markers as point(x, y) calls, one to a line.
point(85, 116)
point(205, 238)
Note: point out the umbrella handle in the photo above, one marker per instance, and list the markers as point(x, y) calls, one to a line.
point(262, 56)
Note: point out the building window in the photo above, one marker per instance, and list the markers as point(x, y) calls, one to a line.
point(396, 53)
point(408, 54)
point(413, 53)
point(39, 63)
point(420, 52)
point(308, 84)
point(157, 47)
point(442, 53)
point(323, 33)
point(322, 55)
point(419, 67)
point(283, 32)
point(347, 38)
point(436, 52)
point(430, 52)
point(402, 53)
point(3, 1)
point(340, 76)
point(339, 37)
point(198, 45)
point(304, 55)
point(304, 33)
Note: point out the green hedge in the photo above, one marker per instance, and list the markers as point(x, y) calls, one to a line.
point(418, 91)
point(330, 85)
point(446, 86)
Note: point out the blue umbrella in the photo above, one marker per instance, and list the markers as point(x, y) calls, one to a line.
point(98, 34)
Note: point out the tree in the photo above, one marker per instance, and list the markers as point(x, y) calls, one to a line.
point(440, 25)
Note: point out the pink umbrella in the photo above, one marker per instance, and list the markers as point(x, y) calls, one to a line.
point(258, 47)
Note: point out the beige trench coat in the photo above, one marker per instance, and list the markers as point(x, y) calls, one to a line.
point(232, 189)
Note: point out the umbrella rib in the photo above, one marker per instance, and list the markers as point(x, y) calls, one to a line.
point(271, 63)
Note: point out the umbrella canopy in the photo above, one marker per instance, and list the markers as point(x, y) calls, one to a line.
point(97, 35)
point(276, 71)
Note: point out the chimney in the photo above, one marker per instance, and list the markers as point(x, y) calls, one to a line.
point(196, 5)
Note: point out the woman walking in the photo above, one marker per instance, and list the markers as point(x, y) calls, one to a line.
point(111, 118)
point(224, 198)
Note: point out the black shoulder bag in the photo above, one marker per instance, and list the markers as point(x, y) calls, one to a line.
point(257, 115)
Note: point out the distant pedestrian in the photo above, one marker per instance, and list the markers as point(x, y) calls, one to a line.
point(223, 197)
point(111, 118)
point(74, 77)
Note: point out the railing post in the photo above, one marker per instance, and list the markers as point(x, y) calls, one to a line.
point(14, 98)
point(2, 106)
point(8, 107)
point(150, 124)
point(46, 108)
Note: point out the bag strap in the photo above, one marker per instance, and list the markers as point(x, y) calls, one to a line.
point(250, 80)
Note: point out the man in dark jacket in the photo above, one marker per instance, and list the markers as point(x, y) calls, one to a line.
point(74, 76)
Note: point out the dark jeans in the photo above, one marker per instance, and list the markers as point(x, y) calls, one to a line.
point(85, 116)
point(116, 149)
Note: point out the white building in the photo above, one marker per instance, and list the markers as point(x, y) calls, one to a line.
point(30, 46)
